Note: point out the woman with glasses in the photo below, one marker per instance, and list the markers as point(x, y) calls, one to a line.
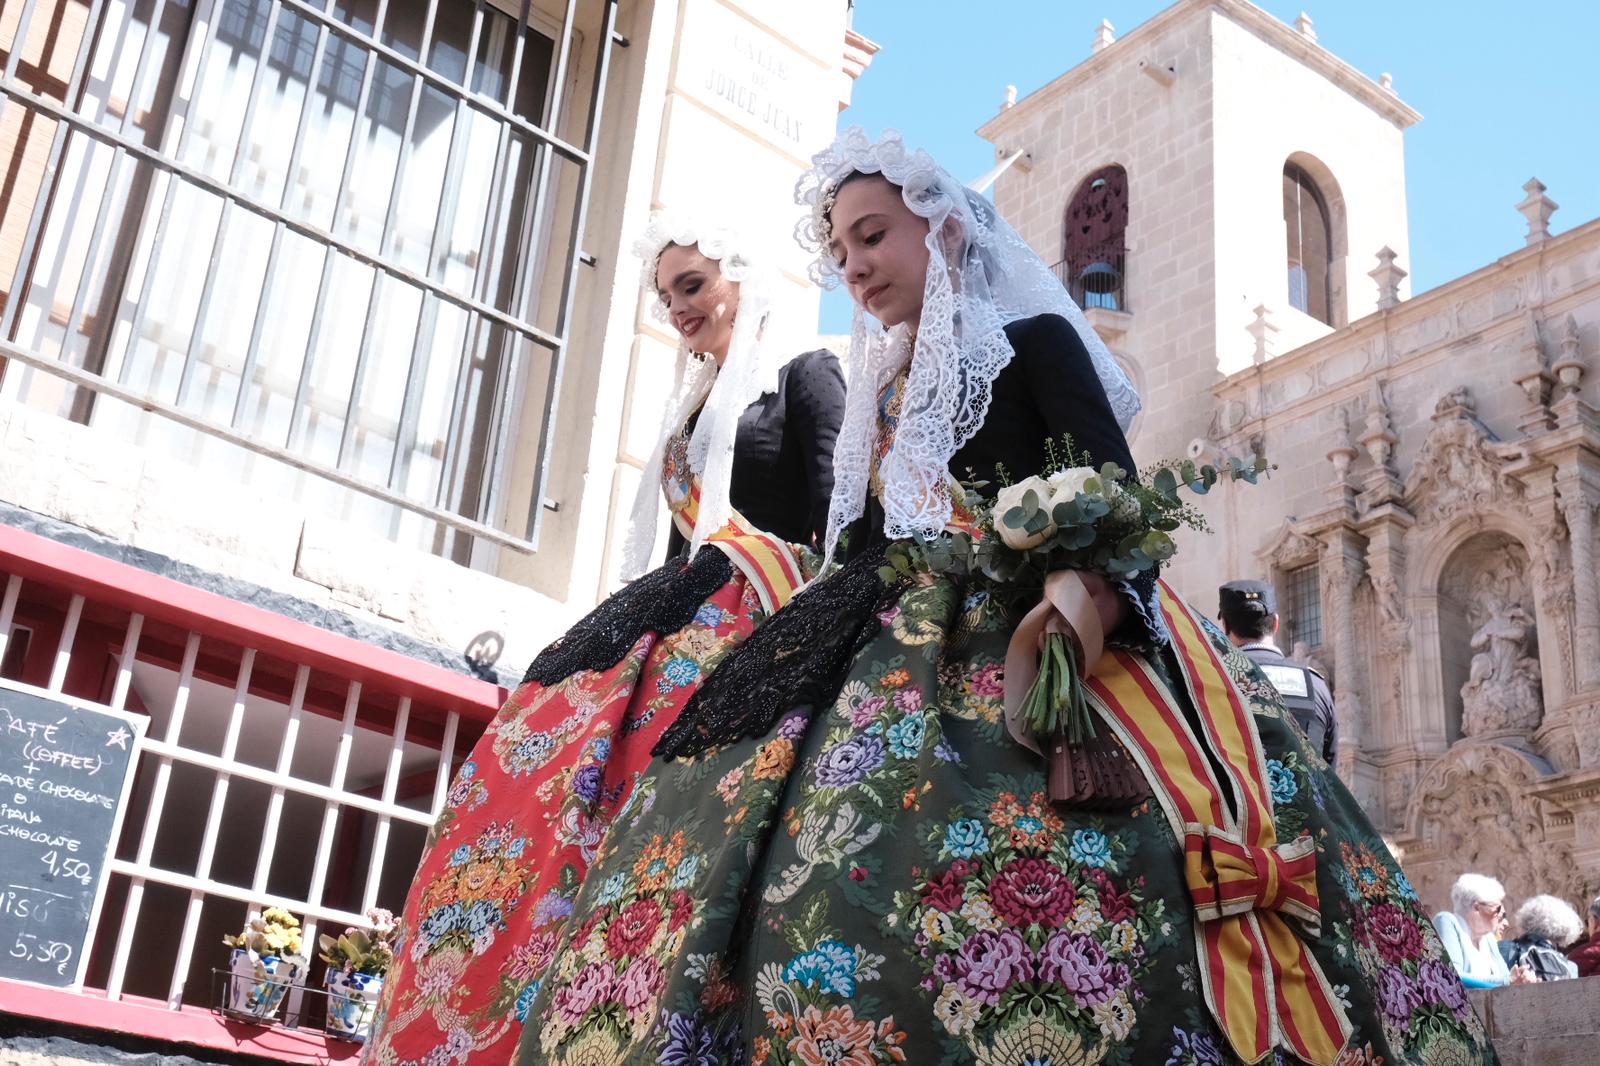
point(1470, 931)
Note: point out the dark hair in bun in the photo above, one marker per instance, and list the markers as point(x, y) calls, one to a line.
point(1248, 618)
point(831, 194)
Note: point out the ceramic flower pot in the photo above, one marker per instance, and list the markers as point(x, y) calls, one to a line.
point(352, 1001)
point(256, 987)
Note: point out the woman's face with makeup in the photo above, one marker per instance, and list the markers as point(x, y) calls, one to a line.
point(700, 302)
point(881, 248)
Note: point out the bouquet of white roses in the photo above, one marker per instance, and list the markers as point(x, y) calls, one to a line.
point(1034, 534)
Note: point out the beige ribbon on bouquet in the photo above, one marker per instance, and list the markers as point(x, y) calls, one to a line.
point(1066, 607)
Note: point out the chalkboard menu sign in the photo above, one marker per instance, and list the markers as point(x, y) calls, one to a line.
point(64, 770)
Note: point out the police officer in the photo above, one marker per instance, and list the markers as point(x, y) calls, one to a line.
point(1249, 613)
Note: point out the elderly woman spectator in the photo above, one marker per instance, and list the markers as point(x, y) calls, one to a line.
point(1547, 925)
point(1468, 929)
point(1585, 954)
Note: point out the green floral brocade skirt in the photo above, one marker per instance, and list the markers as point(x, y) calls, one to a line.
point(884, 880)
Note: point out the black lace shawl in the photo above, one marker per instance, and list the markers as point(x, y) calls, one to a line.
point(662, 601)
point(795, 658)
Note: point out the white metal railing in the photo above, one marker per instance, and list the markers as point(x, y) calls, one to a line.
point(388, 740)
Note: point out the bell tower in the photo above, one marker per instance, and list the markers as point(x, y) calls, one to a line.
point(1215, 189)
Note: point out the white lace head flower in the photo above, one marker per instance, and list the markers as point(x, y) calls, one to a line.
point(981, 276)
point(731, 249)
point(925, 187)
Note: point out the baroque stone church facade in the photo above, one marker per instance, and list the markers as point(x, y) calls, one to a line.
point(1226, 198)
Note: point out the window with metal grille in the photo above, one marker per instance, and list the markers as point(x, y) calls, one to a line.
point(1305, 608)
point(327, 248)
point(1305, 218)
point(1094, 241)
point(281, 765)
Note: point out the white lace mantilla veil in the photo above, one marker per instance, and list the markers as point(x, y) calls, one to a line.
point(751, 369)
point(976, 284)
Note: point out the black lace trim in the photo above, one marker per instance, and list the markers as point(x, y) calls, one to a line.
point(662, 601)
point(794, 658)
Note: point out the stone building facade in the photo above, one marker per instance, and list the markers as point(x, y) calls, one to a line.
point(1430, 523)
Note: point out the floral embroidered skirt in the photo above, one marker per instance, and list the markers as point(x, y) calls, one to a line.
point(521, 824)
point(884, 880)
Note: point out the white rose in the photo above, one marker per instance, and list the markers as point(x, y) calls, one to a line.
point(1011, 496)
point(1066, 484)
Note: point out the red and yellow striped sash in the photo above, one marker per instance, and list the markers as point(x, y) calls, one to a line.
point(1249, 892)
point(766, 561)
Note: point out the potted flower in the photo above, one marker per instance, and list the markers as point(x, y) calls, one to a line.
point(357, 961)
point(266, 961)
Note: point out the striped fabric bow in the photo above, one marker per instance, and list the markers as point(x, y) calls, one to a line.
point(1263, 985)
point(1226, 876)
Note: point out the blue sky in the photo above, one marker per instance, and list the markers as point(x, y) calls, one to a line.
point(1507, 91)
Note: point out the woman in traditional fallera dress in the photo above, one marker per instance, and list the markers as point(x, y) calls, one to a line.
point(745, 461)
point(846, 856)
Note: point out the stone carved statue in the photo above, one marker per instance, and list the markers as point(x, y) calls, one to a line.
point(1552, 567)
point(1387, 592)
point(1503, 690)
point(1393, 623)
point(1461, 466)
point(1473, 810)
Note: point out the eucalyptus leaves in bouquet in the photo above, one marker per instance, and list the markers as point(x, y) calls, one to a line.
point(1071, 517)
point(1068, 519)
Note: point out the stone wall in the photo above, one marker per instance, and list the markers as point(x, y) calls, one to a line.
point(1437, 465)
point(1551, 1024)
point(60, 477)
point(1280, 97)
point(1203, 106)
point(1105, 111)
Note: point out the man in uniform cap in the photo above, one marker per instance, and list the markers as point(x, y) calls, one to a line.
point(1249, 613)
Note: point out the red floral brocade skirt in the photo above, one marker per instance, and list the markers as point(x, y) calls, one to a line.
point(522, 822)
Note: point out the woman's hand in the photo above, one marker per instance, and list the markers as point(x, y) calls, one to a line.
point(1077, 608)
point(1522, 974)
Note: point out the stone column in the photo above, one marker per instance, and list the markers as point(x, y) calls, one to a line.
point(1390, 724)
point(1385, 530)
point(1579, 513)
point(1341, 566)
